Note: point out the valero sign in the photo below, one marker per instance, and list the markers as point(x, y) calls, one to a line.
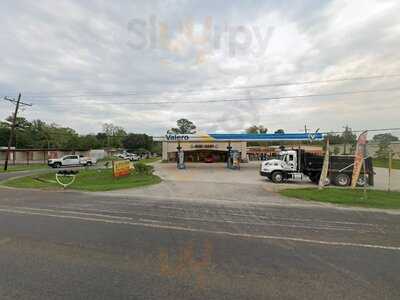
point(121, 168)
point(177, 137)
point(188, 137)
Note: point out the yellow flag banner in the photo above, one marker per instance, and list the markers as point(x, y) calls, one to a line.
point(359, 157)
point(325, 168)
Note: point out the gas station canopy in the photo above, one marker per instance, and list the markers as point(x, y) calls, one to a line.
point(242, 137)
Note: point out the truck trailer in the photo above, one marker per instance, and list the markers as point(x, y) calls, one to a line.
point(296, 164)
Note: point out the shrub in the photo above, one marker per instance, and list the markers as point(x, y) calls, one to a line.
point(143, 169)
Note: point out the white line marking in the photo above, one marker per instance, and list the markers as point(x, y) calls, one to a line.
point(179, 228)
point(253, 223)
point(234, 213)
point(299, 226)
point(152, 221)
point(65, 211)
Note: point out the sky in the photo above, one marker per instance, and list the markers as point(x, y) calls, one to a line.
point(85, 63)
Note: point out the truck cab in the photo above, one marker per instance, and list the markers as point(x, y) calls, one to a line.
point(285, 166)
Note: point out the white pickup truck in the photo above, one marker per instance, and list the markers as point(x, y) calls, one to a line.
point(70, 161)
point(128, 156)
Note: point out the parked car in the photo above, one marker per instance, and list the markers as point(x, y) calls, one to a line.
point(209, 159)
point(132, 157)
point(128, 156)
point(71, 161)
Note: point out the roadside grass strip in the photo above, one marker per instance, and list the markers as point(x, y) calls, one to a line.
point(19, 168)
point(347, 196)
point(86, 180)
point(384, 163)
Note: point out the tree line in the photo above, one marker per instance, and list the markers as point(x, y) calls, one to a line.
point(348, 139)
point(38, 134)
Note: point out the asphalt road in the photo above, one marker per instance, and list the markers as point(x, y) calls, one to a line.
point(69, 245)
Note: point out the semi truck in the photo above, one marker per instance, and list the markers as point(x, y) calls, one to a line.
point(297, 164)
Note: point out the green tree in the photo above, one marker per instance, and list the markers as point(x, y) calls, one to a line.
point(348, 138)
point(387, 137)
point(336, 150)
point(384, 140)
point(102, 139)
point(89, 141)
point(184, 126)
point(257, 129)
point(334, 139)
point(134, 141)
point(4, 135)
point(22, 137)
point(156, 147)
point(383, 150)
point(115, 134)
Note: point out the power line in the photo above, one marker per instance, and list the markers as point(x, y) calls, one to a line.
point(238, 99)
point(149, 93)
point(12, 100)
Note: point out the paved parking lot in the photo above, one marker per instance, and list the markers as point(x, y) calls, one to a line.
point(214, 182)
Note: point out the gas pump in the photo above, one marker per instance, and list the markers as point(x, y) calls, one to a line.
point(229, 160)
point(234, 160)
point(180, 158)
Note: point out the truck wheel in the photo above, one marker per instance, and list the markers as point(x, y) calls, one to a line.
point(361, 180)
point(89, 164)
point(277, 177)
point(342, 179)
point(57, 165)
point(315, 177)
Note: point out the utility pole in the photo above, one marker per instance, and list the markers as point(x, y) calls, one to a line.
point(13, 125)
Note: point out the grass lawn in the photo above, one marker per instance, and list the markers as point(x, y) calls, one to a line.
point(150, 160)
point(376, 199)
point(87, 180)
point(145, 161)
point(384, 163)
point(16, 168)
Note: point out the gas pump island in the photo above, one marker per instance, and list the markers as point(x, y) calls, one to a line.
point(233, 156)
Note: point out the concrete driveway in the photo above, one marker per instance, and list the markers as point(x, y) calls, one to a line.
point(249, 174)
point(214, 182)
point(382, 179)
